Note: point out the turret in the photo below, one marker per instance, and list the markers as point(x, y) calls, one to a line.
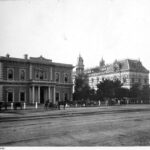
point(102, 63)
point(80, 65)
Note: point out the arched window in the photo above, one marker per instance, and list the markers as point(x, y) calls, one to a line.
point(10, 74)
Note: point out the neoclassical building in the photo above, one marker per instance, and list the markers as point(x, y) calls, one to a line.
point(34, 79)
point(128, 71)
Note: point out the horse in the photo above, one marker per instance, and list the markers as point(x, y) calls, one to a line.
point(46, 105)
point(62, 103)
point(49, 104)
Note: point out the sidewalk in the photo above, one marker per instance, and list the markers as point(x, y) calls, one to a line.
point(40, 111)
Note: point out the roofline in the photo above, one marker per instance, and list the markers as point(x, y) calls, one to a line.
point(21, 60)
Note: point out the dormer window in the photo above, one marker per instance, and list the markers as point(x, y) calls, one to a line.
point(10, 74)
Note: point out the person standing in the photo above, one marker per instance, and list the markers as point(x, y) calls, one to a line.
point(99, 103)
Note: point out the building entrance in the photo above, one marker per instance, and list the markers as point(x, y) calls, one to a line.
point(42, 95)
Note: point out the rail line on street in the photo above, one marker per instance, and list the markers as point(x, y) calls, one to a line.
point(135, 115)
point(68, 114)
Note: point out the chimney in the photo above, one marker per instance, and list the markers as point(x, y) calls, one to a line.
point(25, 56)
point(7, 55)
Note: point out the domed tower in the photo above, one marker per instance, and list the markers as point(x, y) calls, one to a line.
point(102, 63)
point(80, 65)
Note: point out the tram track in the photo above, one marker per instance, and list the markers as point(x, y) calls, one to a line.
point(54, 127)
point(29, 139)
point(68, 114)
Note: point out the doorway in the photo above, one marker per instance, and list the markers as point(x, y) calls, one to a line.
point(42, 95)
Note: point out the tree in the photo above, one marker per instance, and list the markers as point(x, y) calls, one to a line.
point(108, 89)
point(138, 93)
point(82, 88)
point(135, 91)
point(145, 94)
point(122, 92)
point(92, 94)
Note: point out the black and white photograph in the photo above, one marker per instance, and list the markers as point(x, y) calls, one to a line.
point(74, 74)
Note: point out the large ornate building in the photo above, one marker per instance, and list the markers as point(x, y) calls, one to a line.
point(127, 71)
point(34, 79)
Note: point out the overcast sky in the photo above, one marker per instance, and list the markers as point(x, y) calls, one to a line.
point(61, 29)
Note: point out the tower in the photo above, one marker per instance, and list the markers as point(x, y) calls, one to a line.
point(102, 63)
point(80, 65)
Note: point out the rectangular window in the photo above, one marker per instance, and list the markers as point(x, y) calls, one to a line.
point(22, 96)
point(36, 74)
point(22, 74)
point(139, 80)
point(66, 96)
point(66, 78)
point(57, 96)
point(132, 80)
point(41, 75)
point(45, 75)
point(10, 74)
point(57, 77)
point(10, 97)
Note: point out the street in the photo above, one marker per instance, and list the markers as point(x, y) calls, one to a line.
point(126, 125)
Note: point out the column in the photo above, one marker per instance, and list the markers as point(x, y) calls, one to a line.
point(51, 74)
point(33, 94)
point(49, 93)
point(39, 94)
point(30, 94)
point(54, 100)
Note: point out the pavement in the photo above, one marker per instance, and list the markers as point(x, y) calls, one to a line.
point(32, 111)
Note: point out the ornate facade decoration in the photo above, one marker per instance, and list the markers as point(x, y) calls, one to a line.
point(34, 79)
point(128, 71)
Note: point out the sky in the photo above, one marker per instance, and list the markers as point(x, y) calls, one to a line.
point(62, 29)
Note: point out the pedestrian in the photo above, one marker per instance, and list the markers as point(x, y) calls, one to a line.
point(99, 103)
point(119, 102)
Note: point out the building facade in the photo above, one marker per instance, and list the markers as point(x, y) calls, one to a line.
point(34, 79)
point(127, 71)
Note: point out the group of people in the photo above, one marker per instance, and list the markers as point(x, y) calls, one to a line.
point(57, 105)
